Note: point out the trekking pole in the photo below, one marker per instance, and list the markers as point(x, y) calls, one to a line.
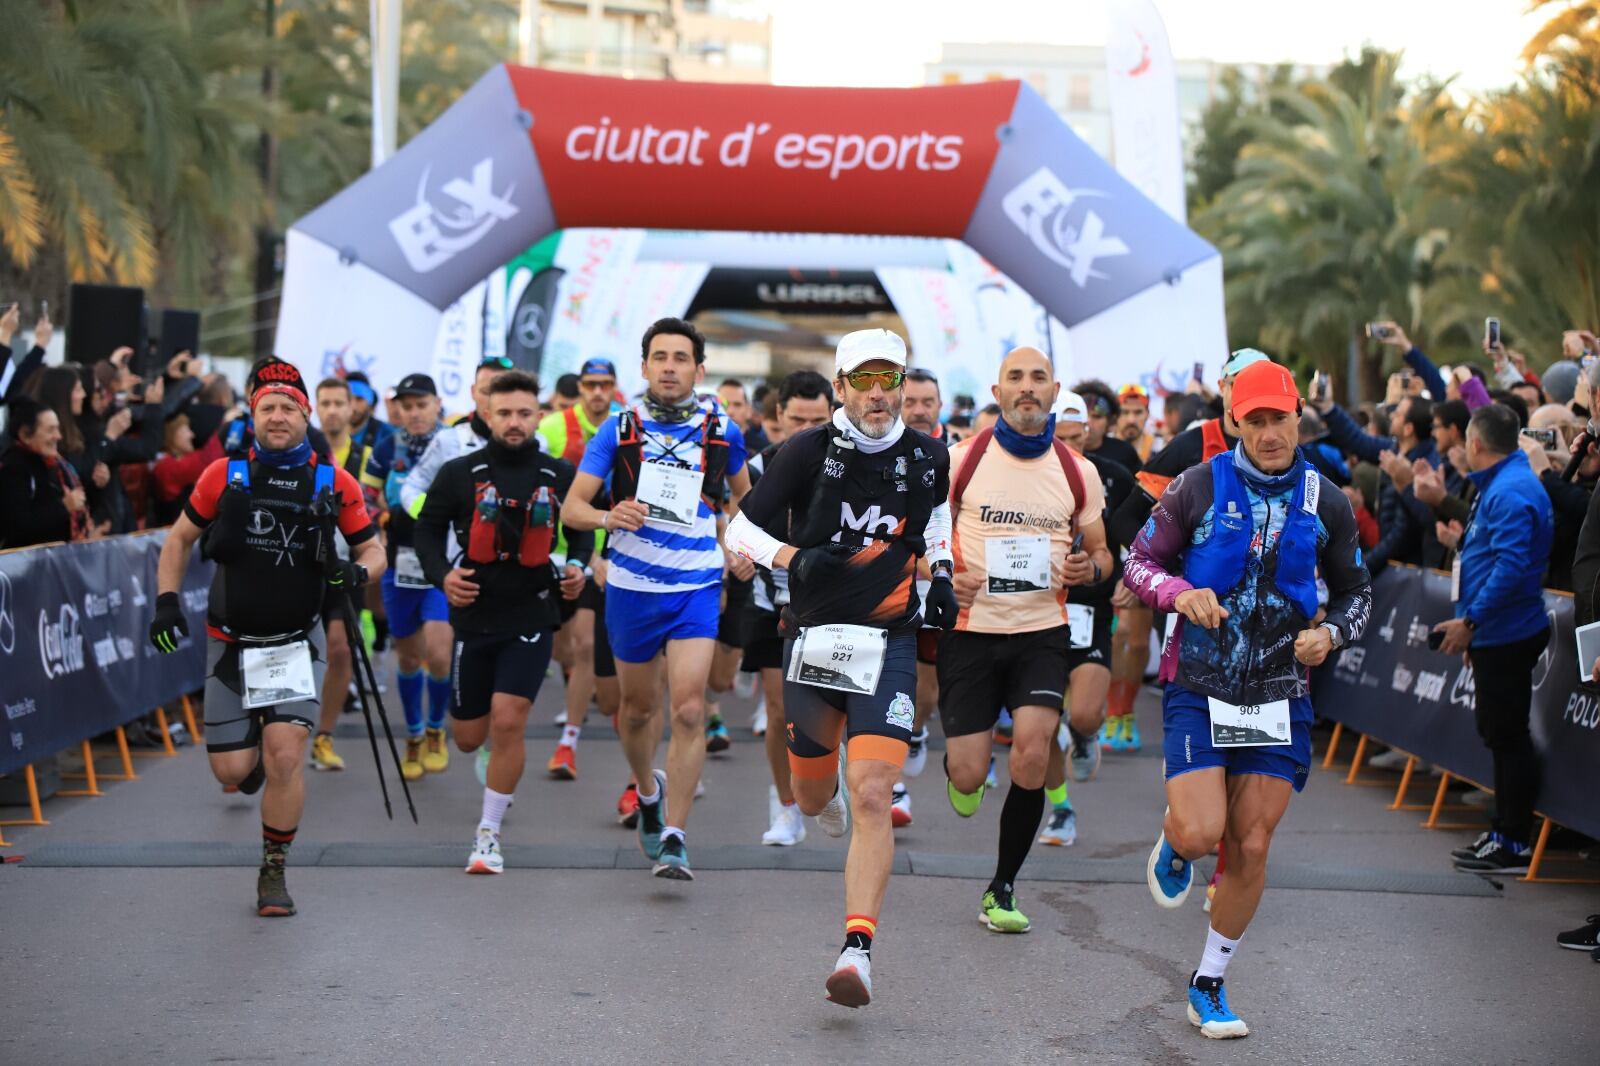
point(353, 636)
point(358, 649)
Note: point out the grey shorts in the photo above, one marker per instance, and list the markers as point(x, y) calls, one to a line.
point(229, 727)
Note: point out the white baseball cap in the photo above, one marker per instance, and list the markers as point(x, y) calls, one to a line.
point(865, 345)
point(1071, 408)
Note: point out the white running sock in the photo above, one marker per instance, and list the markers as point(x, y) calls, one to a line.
point(654, 797)
point(1219, 950)
point(569, 735)
point(671, 831)
point(494, 809)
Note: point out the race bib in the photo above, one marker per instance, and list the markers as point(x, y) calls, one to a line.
point(844, 658)
point(671, 493)
point(408, 570)
point(1249, 725)
point(279, 674)
point(1017, 564)
point(1080, 620)
point(1455, 579)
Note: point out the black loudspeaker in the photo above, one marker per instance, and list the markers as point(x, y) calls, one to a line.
point(103, 318)
point(177, 331)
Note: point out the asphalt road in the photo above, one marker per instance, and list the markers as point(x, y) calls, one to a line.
point(127, 933)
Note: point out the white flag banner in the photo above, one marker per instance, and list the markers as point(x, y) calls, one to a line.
point(1146, 137)
point(1007, 314)
point(584, 323)
point(458, 348)
point(945, 336)
point(651, 291)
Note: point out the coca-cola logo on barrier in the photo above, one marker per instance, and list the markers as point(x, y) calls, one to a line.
point(60, 642)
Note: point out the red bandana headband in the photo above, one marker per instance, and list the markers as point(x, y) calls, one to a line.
point(299, 397)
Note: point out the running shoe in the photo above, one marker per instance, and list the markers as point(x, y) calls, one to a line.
point(563, 765)
point(1211, 890)
point(991, 781)
point(999, 912)
point(745, 683)
point(480, 766)
point(653, 818)
point(1584, 939)
point(435, 752)
point(1208, 1009)
point(628, 807)
point(485, 857)
point(850, 984)
point(1061, 829)
point(561, 715)
point(788, 828)
point(323, 757)
point(1499, 856)
point(916, 753)
point(672, 862)
point(758, 720)
point(1084, 755)
point(717, 738)
point(411, 765)
point(835, 817)
point(965, 804)
point(272, 894)
point(1169, 875)
point(1472, 849)
point(899, 807)
point(1130, 734)
point(1002, 729)
point(1111, 734)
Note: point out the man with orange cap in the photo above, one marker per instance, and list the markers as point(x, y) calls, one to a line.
point(1236, 546)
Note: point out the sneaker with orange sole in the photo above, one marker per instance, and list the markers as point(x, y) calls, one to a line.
point(563, 765)
point(628, 806)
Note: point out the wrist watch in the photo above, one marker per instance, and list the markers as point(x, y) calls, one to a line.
point(943, 569)
point(1471, 625)
point(1333, 631)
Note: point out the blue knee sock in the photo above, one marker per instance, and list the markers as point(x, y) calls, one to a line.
point(438, 700)
point(411, 700)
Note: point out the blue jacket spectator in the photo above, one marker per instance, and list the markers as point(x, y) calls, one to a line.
point(1504, 553)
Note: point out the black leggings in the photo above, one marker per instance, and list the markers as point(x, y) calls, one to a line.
point(1503, 675)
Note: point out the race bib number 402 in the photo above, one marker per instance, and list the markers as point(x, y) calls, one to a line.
point(1017, 565)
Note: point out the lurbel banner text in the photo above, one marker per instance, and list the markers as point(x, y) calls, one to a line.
point(1393, 687)
point(75, 650)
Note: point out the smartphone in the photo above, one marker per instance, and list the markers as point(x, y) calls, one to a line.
point(1378, 330)
point(1435, 639)
point(1491, 332)
point(1405, 378)
point(1077, 544)
point(44, 308)
point(1320, 386)
point(1200, 372)
point(1546, 437)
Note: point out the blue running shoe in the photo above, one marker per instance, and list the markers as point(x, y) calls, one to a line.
point(1209, 1010)
point(673, 861)
point(653, 819)
point(1130, 734)
point(717, 738)
point(1111, 734)
point(1168, 874)
point(991, 781)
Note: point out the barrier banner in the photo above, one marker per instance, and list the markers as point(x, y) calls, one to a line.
point(1391, 686)
point(75, 654)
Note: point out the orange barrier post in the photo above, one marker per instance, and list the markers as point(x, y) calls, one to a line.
point(1406, 776)
point(1356, 761)
point(188, 719)
point(33, 801)
point(88, 775)
point(1538, 860)
point(125, 755)
point(1440, 805)
point(1333, 745)
point(166, 739)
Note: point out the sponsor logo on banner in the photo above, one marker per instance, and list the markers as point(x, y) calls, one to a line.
point(1430, 686)
point(1582, 710)
point(105, 652)
point(430, 236)
point(1043, 208)
point(60, 642)
point(1464, 693)
point(8, 624)
point(1417, 633)
point(97, 606)
point(21, 709)
point(1402, 679)
point(139, 599)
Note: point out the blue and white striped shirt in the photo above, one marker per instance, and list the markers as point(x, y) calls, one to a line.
point(660, 558)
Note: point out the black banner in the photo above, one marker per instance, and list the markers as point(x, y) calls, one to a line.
point(831, 292)
point(75, 654)
point(1393, 687)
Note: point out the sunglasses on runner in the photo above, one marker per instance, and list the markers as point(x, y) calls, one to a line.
point(501, 362)
point(862, 380)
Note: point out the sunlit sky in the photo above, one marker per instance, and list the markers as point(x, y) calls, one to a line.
point(886, 42)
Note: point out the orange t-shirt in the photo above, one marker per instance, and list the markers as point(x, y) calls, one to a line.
point(1010, 497)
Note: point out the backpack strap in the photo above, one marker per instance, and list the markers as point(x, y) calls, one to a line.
point(572, 447)
point(1212, 441)
point(713, 460)
point(1069, 466)
point(628, 457)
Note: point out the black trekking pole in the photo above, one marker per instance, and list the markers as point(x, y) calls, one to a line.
point(363, 666)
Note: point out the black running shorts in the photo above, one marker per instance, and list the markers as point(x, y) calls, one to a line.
point(979, 673)
point(229, 727)
point(820, 717)
point(484, 665)
point(1098, 653)
point(763, 647)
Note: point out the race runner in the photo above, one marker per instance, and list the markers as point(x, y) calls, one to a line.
point(1028, 533)
point(805, 401)
point(417, 612)
point(502, 504)
point(850, 539)
point(265, 653)
point(664, 462)
point(1089, 657)
point(467, 435)
point(1236, 546)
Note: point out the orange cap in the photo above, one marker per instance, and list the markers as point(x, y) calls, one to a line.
point(1264, 384)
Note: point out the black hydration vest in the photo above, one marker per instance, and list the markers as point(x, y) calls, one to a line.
point(912, 473)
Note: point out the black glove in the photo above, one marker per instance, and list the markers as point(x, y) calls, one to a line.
point(817, 566)
point(347, 575)
point(168, 626)
point(940, 609)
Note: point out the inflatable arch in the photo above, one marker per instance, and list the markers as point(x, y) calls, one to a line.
point(527, 151)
